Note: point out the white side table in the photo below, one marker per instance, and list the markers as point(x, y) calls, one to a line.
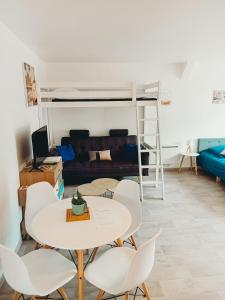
point(105, 183)
point(109, 184)
point(89, 189)
point(193, 161)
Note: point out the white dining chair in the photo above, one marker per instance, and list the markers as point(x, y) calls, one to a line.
point(122, 269)
point(127, 192)
point(36, 274)
point(39, 195)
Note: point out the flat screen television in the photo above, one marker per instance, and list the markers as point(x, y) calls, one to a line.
point(40, 146)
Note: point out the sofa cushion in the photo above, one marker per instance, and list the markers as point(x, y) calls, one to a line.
point(93, 155)
point(66, 151)
point(93, 168)
point(131, 153)
point(105, 155)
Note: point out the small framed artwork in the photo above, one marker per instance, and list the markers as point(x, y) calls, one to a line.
point(218, 96)
point(30, 85)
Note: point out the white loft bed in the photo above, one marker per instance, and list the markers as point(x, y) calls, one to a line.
point(111, 94)
point(97, 94)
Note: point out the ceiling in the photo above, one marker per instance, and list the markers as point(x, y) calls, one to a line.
point(118, 30)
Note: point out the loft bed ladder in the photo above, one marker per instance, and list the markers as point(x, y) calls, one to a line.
point(144, 124)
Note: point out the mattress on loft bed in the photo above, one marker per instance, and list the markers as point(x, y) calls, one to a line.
point(101, 100)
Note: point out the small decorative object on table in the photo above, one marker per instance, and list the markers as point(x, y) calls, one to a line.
point(79, 211)
point(79, 205)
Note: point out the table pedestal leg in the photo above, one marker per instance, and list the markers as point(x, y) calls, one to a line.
point(80, 274)
point(93, 255)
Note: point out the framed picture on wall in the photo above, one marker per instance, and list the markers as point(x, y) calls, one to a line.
point(218, 96)
point(30, 85)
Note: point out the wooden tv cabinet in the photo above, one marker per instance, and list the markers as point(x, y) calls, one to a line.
point(49, 173)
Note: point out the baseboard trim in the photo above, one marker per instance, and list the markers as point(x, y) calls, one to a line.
point(2, 279)
point(176, 169)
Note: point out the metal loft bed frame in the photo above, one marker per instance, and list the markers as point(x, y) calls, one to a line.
point(114, 94)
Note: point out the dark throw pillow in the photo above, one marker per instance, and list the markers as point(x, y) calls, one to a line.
point(130, 153)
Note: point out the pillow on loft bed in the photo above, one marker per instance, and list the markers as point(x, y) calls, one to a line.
point(217, 150)
point(118, 132)
point(67, 152)
point(81, 133)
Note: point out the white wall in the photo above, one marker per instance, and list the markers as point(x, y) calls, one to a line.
point(16, 124)
point(97, 120)
point(190, 116)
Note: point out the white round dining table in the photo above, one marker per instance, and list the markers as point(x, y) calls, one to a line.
point(109, 220)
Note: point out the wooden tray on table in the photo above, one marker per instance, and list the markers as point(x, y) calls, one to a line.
point(70, 217)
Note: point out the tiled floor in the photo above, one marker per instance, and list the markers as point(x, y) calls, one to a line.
point(190, 256)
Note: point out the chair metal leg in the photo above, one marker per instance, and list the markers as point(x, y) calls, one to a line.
point(71, 255)
point(36, 245)
point(16, 296)
point(93, 255)
point(133, 242)
point(100, 294)
point(126, 296)
point(146, 291)
point(135, 294)
point(63, 294)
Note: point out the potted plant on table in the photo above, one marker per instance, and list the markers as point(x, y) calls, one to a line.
point(79, 205)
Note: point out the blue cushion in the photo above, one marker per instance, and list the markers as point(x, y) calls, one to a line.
point(216, 150)
point(131, 153)
point(66, 151)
